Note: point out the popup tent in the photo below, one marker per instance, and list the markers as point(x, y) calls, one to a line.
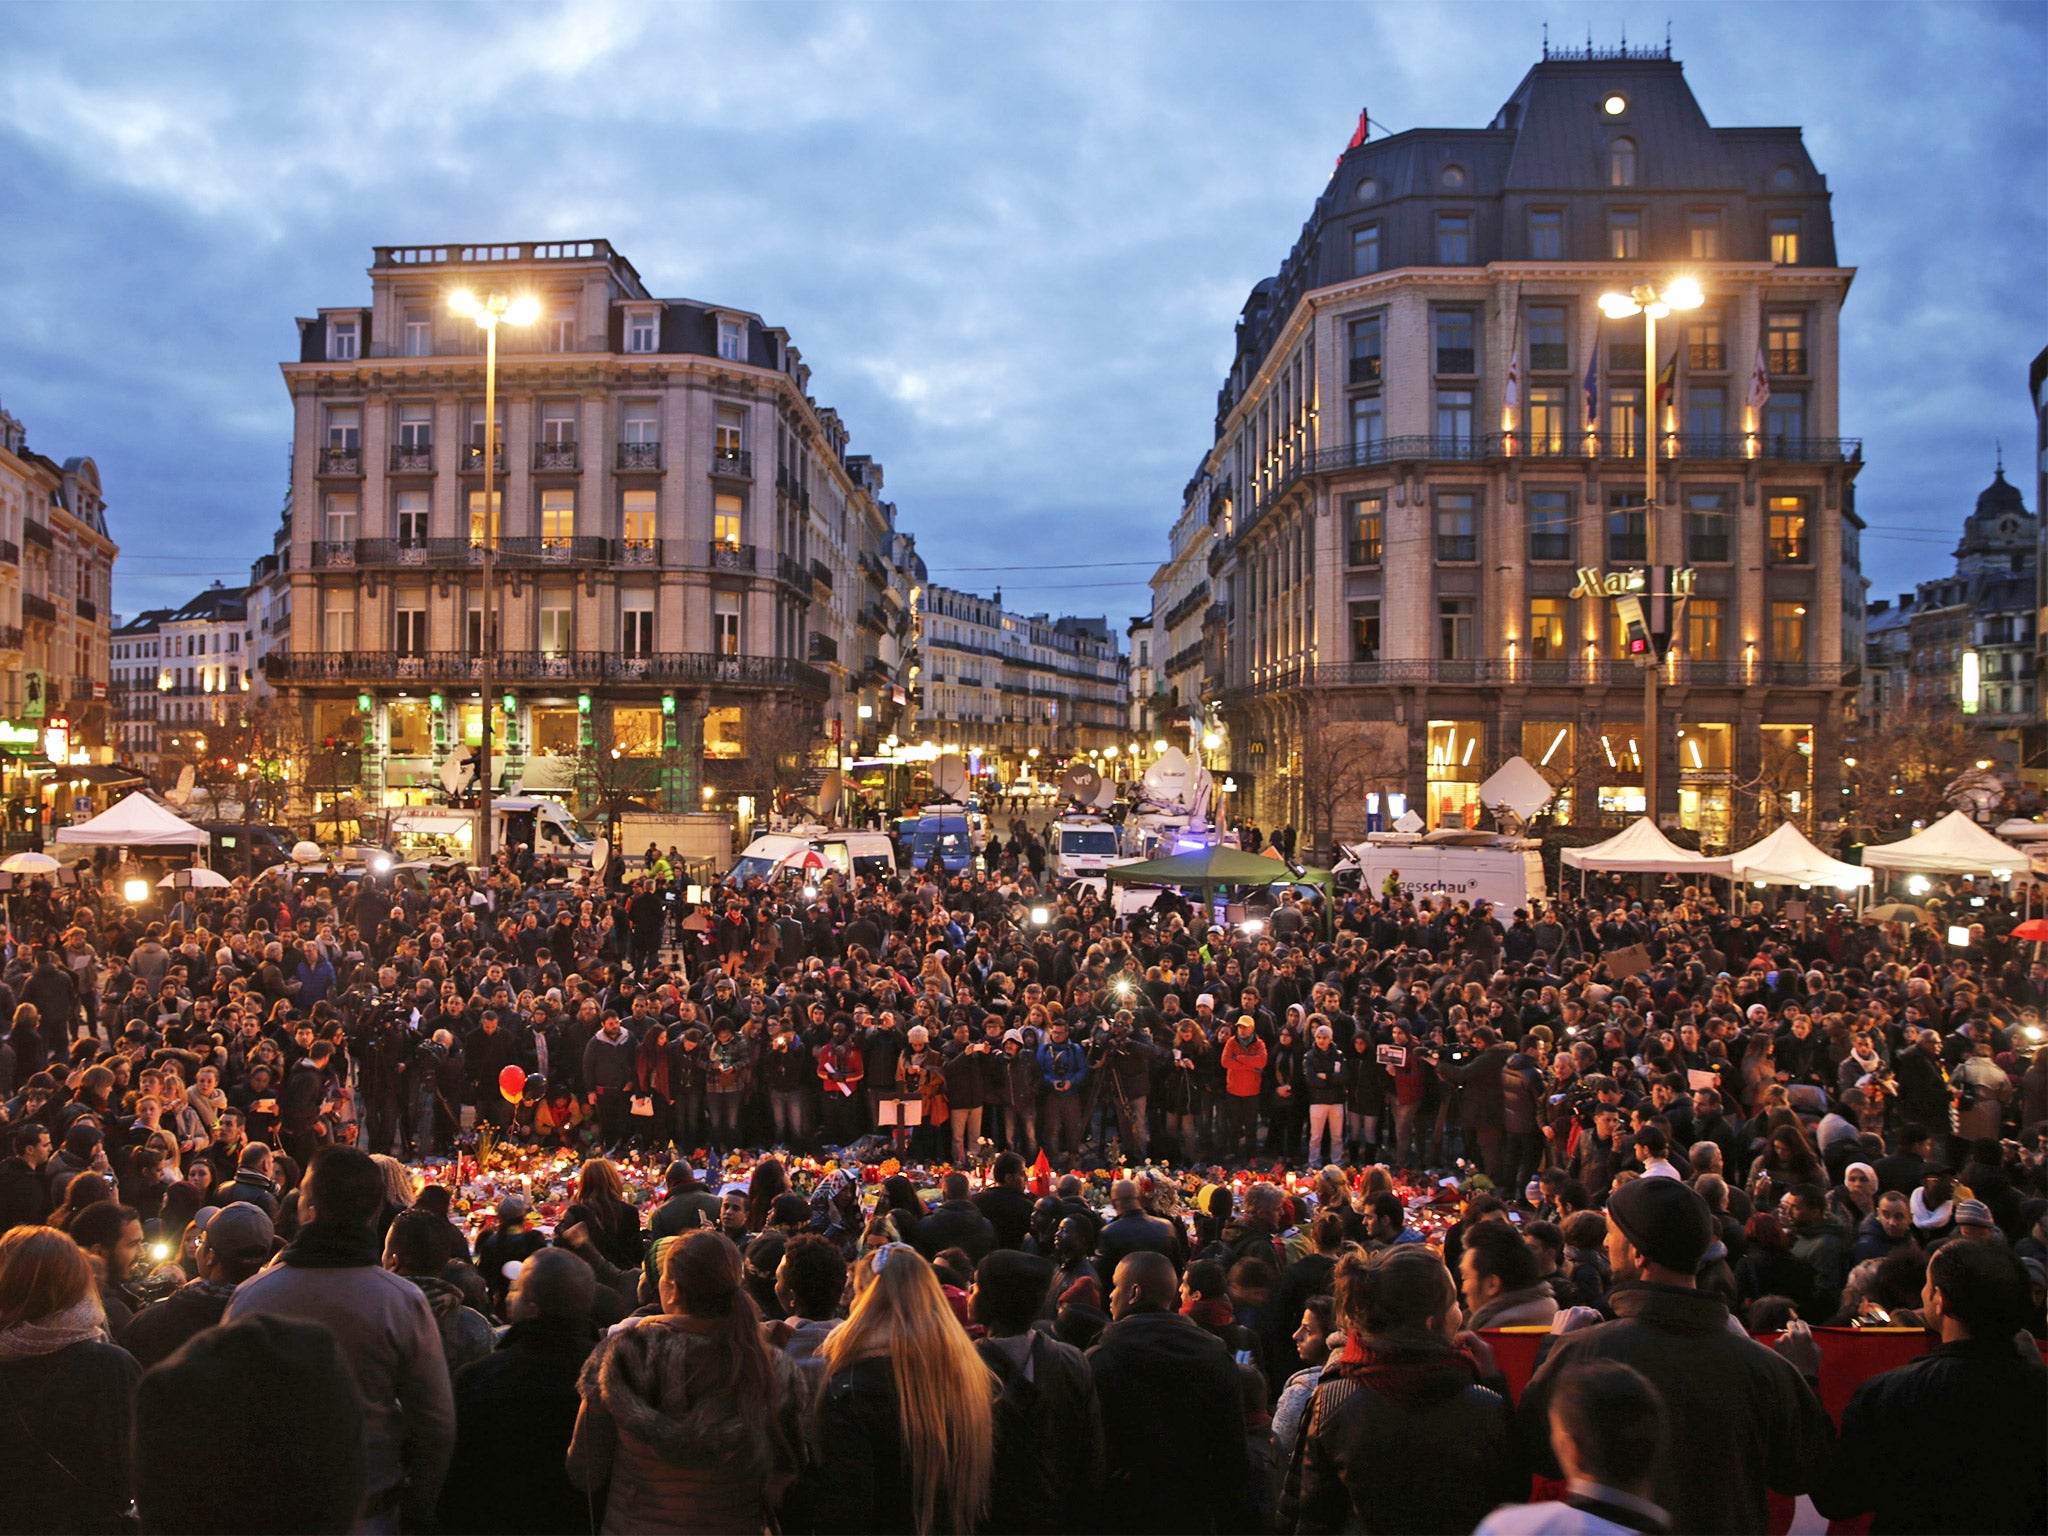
point(1787, 858)
point(136, 822)
point(1640, 849)
point(1205, 869)
point(1954, 845)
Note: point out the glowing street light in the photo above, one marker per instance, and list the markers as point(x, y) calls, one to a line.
point(489, 312)
point(1653, 304)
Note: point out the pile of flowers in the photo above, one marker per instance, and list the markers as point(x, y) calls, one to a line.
point(545, 1177)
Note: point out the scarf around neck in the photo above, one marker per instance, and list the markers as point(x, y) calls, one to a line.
point(84, 1322)
point(1404, 1370)
point(329, 1245)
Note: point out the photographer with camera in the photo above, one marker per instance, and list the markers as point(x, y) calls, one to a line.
point(1121, 1058)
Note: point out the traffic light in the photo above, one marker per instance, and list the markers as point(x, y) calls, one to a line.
point(1635, 629)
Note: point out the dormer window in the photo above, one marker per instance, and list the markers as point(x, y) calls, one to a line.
point(1621, 163)
point(342, 340)
point(643, 331)
point(729, 340)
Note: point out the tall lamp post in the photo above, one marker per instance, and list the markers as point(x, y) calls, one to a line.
point(1653, 304)
point(489, 312)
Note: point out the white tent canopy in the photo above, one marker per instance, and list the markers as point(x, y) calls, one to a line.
point(1954, 845)
point(1785, 857)
point(136, 822)
point(1640, 849)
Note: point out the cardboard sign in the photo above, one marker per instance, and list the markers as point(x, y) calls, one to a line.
point(1695, 1079)
point(1794, 911)
point(1393, 1055)
point(899, 1112)
point(1633, 960)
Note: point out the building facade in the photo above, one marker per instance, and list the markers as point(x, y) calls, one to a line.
point(1967, 641)
point(135, 668)
point(1012, 689)
point(1181, 604)
point(56, 587)
point(1428, 470)
point(2034, 744)
point(690, 565)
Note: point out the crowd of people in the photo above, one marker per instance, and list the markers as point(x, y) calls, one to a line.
point(216, 1117)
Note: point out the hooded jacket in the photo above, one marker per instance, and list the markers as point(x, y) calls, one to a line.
point(676, 1457)
point(466, 1334)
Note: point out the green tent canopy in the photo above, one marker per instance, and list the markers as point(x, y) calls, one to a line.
point(1205, 867)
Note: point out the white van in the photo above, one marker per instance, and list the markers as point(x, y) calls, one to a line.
point(859, 853)
point(1083, 845)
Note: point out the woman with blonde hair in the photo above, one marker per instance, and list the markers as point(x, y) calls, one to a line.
point(688, 1419)
point(398, 1190)
point(70, 1393)
point(903, 1434)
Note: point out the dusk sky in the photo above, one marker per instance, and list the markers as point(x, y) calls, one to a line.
point(1010, 240)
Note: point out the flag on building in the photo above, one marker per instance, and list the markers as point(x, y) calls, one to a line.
point(1667, 381)
point(1357, 134)
point(1514, 389)
point(1759, 382)
point(1593, 387)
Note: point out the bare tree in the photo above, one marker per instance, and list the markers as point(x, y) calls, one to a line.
point(1915, 765)
point(782, 738)
point(1340, 762)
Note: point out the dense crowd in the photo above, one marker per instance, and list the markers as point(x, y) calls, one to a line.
point(1289, 1172)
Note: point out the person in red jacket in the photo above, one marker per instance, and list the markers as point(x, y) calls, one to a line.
point(1244, 1072)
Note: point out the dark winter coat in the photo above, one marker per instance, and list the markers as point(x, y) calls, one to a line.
point(1173, 1428)
point(64, 1439)
point(514, 1412)
point(1743, 1421)
point(1048, 1440)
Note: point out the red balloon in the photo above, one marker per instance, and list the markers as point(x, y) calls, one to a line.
point(512, 1083)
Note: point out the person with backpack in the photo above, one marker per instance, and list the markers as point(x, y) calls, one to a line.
point(1048, 1425)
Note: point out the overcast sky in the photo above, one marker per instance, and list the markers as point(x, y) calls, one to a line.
point(1010, 240)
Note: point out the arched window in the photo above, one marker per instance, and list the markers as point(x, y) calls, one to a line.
point(1621, 163)
point(1454, 176)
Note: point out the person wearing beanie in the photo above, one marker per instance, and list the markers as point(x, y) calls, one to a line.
point(1745, 1420)
point(1973, 1221)
point(274, 1371)
point(236, 1243)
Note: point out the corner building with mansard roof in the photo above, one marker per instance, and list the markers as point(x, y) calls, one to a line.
point(1430, 430)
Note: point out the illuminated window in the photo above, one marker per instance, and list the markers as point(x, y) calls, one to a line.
point(1368, 530)
point(636, 731)
point(1624, 235)
point(1621, 163)
point(1788, 531)
point(1788, 631)
point(727, 522)
point(723, 736)
point(1547, 629)
point(1705, 618)
point(1784, 230)
point(1703, 230)
point(637, 511)
point(557, 519)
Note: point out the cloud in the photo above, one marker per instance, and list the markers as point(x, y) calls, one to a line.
point(1011, 240)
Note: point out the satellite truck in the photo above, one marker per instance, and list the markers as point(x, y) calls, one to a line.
point(1503, 869)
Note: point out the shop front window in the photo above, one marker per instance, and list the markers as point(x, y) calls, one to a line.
point(556, 732)
point(723, 736)
point(636, 732)
point(1455, 770)
point(410, 727)
point(1552, 747)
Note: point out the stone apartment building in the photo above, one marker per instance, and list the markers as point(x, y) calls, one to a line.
point(1966, 640)
point(56, 579)
point(1431, 432)
point(1015, 690)
point(687, 552)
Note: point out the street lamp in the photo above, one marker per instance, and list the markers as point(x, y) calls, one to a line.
point(489, 312)
point(1653, 304)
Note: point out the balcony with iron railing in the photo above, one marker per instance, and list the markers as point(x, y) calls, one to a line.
point(724, 556)
point(701, 668)
point(33, 532)
point(823, 648)
point(558, 456)
point(38, 608)
point(639, 456)
point(1488, 446)
point(412, 458)
point(10, 637)
point(821, 574)
point(85, 608)
point(732, 464)
point(471, 459)
point(343, 461)
point(10, 552)
point(1545, 672)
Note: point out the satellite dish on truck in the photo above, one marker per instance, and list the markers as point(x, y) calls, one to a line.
point(829, 795)
point(1080, 784)
point(949, 776)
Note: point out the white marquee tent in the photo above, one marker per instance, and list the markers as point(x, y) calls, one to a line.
point(1640, 849)
point(136, 822)
point(1785, 857)
point(1954, 845)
